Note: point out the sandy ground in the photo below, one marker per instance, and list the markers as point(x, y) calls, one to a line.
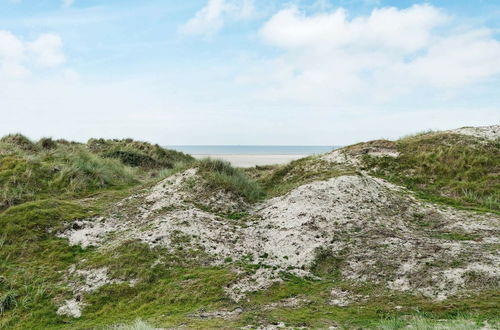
point(253, 160)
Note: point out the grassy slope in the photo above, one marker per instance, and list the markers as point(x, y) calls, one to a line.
point(31, 258)
point(30, 171)
point(455, 169)
point(278, 180)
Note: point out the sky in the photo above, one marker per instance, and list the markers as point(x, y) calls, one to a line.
point(255, 72)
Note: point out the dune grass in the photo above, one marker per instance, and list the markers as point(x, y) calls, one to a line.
point(285, 178)
point(45, 185)
point(137, 153)
point(69, 172)
point(442, 167)
point(220, 174)
point(31, 171)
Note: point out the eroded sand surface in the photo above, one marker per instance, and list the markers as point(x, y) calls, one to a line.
point(485, 132)
point(374, 226)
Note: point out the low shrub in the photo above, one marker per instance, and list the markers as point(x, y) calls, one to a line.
point(47, 143)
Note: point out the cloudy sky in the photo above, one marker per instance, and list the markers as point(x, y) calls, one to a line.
point(323, 72)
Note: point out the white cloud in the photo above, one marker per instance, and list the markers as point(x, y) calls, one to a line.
point(47, 50)
point(18, 58)
point(211, 18)
point(67, 3)
point(11, 47)
point(392, 29)
point(330, 57)
point(457, 60)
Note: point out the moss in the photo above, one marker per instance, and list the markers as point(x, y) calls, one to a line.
point(456, 236)
point(373, 306)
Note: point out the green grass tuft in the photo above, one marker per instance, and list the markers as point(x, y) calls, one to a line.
point(220, 174)
point(47, 143)
point(8, 300)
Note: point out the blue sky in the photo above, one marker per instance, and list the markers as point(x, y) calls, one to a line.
point(247, 72)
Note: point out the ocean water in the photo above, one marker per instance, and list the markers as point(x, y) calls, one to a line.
point(252, 150)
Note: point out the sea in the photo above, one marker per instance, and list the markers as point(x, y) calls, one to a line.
point(252, 149)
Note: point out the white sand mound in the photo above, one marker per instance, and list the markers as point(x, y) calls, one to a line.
point(376, 231)
point(486, 132)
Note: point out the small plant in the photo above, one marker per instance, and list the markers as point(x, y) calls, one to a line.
point(8, 300)
point(326, 263)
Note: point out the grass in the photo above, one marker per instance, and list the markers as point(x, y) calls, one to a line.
point(285, 178)
point(220, 174)
point(31, 171)
point(456, 236)
point(167, 294)
point(138, 153)
point(380, 307)
point(422, 323)
point(46, 184)
point(33, 263)
point(31, 259)
point(441, 167)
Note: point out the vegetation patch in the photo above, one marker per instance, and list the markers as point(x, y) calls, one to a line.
point(48, 184)
point(285, 178)
point(19, 141)
point(456, 236)
point(30, 171)
point(138, 153)
point(327, 264)
point(220, 174)
point(444, 167)
point(378, 307)
point(135, 159)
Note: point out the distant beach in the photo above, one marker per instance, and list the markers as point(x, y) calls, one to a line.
point(248, 156)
